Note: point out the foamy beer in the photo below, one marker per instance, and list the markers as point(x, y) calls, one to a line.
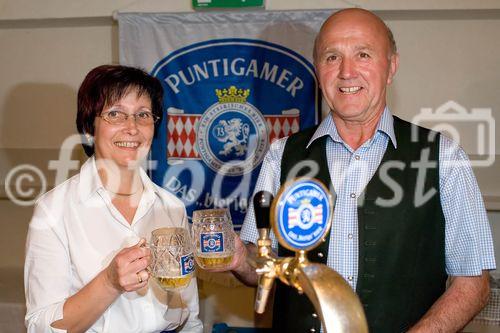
point(172, 263)
point(213, 237)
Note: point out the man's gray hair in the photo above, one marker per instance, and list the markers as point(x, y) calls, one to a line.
point(392, 41)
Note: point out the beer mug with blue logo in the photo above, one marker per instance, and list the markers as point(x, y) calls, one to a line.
point(213, 237)
point(172, 263)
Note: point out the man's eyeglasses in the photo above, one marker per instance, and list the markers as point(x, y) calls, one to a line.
point(118, 117)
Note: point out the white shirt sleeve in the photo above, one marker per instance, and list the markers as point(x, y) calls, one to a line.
point(193, 323)
point(269, 180)
point(46, 272)
point(468, 239)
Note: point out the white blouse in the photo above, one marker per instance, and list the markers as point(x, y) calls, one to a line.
point(74, 234)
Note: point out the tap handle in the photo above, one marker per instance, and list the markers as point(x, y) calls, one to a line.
point(262, 207)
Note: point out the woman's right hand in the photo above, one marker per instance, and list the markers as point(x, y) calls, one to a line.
point(127, 271)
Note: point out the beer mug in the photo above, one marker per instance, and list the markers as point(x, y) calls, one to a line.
point(172, 263)
point(213, 237)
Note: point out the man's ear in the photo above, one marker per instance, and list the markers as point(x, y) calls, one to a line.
point(393, 67)
point(316, 74)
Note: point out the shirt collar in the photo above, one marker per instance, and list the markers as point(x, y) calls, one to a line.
point(149, 186)
point(328, 127)
point(90, 182)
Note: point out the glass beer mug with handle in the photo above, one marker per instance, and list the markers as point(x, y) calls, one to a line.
point(172, 263)
point(213, 237)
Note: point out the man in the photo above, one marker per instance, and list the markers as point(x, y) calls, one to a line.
point(399, 228)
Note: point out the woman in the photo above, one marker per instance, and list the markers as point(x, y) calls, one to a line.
point(85, 263)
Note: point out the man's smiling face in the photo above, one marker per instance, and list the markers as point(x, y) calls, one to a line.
point(354, 64)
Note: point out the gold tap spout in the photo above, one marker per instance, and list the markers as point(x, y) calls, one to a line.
point(334, 300)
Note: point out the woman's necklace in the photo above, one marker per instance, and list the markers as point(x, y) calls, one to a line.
point(126, 194)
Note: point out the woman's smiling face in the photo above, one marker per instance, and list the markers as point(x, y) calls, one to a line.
point(125, 144)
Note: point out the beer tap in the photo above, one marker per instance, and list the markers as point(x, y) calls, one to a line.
point(301, 217)
point(265, 263)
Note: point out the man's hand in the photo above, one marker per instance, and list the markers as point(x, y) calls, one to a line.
point(465, 297)
point(239, 266)
point(239, 257)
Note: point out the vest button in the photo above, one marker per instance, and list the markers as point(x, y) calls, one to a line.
point(320, 254)
point(312, 330)
point(314, 315)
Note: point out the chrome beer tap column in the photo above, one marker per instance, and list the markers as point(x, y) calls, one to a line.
point(301, 216)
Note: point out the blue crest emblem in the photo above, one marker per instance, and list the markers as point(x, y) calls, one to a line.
point(187, 264)
point(303, 214)
point(232, 134)
point(212, 242)
point(226, 101)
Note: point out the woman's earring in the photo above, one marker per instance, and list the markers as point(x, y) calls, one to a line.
point(90, 139)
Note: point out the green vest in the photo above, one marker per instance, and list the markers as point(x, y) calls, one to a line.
point(401, 264)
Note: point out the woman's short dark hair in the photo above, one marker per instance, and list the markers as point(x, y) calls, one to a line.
point(105, 85)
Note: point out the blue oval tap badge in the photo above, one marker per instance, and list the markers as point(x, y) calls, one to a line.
point(302, 214)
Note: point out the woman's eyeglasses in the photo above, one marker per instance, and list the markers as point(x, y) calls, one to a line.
point(118, 117)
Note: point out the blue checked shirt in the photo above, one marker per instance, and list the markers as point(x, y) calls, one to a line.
point(468, 241)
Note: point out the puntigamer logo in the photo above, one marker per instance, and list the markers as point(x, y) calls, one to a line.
point(303, 214)
point(225, 131)
point(227, 100)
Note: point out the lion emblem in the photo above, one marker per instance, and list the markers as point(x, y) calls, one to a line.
point(234, 134)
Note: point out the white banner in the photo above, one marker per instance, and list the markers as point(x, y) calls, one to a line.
point(146, 38)
point(234, 82)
